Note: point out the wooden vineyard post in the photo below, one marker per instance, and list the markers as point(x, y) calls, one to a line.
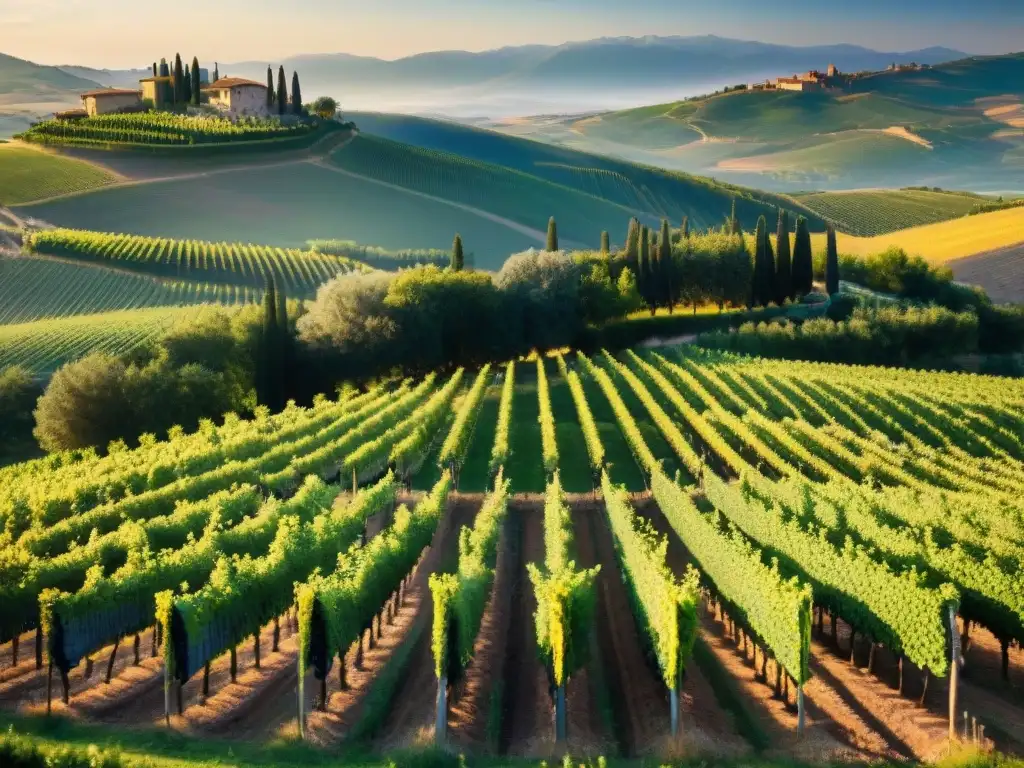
point(560, 714)
point(206, 682)
point(136, 649)
point(234, 664)
point(110, 663)
point(277, 634)
point(673, 697)
point(954, 672)
point(39, 647)
point(300, 693)
point(49, 688)
point(441, 716)
point(15, 642)
point(801, 718)
point(167, 693)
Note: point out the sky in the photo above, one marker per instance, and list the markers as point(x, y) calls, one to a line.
point(130, 33)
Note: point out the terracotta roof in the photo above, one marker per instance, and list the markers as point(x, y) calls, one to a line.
point(111, 92)
point(233, 82)
point(161, 79)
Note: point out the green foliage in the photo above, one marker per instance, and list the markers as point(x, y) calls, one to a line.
point(297, 108)
point(546, 419)
point(666, 610)
point(458, 259)
point(18, 751)
point(501, 450)
point(783, 265)
point(460, 598)
point(886, 336)
point(380, 258)
point(18, 395)
point(325, 108)
point(282, 92)
point(870, 213)
point(763, 289)
point(565, 595)
point(831, 263)
point(456, 444)
point(803, 268)
point(552, 239)
point(776, 610)
point(27, 174)
point(591, 433)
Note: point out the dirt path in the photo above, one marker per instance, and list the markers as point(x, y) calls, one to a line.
point(410, 717)
point(535, 234)
point(476, 702)
point(346, 708)
point(526, 722)
point(984, 666)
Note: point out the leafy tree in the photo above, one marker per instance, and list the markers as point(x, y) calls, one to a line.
point(296, 95)
point(803, 262)
point(270, 90)
point(282, 92)
point(831, 262)
point(552, 242)
point(605, 243)
point(18, 395)
point(179, 80)
point(629, 295)
point(458, 259)
point(783, 265)
point(196, 82)
point(325, 108)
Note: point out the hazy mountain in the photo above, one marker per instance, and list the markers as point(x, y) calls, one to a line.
point(33, 80)
point(642, 62)
point(109, 78)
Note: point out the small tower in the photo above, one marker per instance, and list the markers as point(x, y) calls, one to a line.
point(832, 71)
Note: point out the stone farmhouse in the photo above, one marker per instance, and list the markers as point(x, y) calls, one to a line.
point(106, 100)
point(235, 96)
point(807, 81)
point(238, 96)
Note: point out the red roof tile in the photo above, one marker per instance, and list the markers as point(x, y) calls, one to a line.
point(233, 82)
point(111, 92)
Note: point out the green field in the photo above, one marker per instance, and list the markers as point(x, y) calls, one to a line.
point(27, 174)
point(45, 345)
point(36, 288)
point(285, 206)
point(873, 213)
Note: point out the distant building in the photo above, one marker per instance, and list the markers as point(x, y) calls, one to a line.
point(204, 76)
point(833, 71)
point(796, 83)
point(157, 90)
point(238, 96)
point(107, 100)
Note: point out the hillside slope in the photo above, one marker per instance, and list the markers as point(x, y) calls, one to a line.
point(18, 76)
point(956, 125)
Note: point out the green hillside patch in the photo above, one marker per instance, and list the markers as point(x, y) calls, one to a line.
point(661, 193)
point(511, 194)
point(19, 76)
point(35, 288)
point(653, 128)
point(285, 206)
point(28, 174)
point(878, 212)
point(41, 347)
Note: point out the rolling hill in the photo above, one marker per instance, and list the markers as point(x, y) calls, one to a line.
point(29, 81)
point(957, 125)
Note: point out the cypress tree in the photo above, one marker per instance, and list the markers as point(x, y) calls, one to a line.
point(282, 377)
point(179, 80)
point(803, 268)
point(606, 247)
point(684, 231)
point(552, 243)
point(270, 90)
point(733, 224)
point(270, 346)
point(633, 239)
point(831, 262)
point(282, 92)
point(216, 72)
point(761, 289)
point(458, 260)
point(645, 273)
point(783, 261)
point(154, 69)
point(666, 266)
point(187, 83)
point(296, 95)
point(196, 83)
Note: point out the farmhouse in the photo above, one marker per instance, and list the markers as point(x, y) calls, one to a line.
point(156, 89)
point(107, 100)
point(238, 96)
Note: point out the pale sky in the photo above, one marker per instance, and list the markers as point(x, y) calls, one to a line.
point(132, 33)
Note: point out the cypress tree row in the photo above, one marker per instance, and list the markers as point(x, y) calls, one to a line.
point(296, 95)
point(783, 262)
point(270, 89)
point(831, 262)
point(196, 81)
point(803, 269)
point(282, 92)
point(552, 244)
point(605, 243)
point(458, 260)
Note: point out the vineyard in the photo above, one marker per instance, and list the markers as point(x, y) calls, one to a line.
point(622, 555)
point(298, 272)
point(34, 288)
point(867, 214)
point(43, 346)
point(160, 129)
point(29, 173)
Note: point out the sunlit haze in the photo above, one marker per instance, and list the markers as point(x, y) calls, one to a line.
point(126, 33)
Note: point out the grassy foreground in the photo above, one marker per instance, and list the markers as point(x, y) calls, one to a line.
point(159, 748)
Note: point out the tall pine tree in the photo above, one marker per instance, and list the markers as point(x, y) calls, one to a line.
point(154, 69)
point(783, 261)
point(645, 268)
point(684, 230)
point(458, 260)
point(196, 81)
point(633, 240)
point(270, 364)
point(216, 72)
point(552, 241)
point(763, 285)
point(296, 95)
point(187, 96)
point(282, 92)
point(270, 90)
point(831, 262)
point(803, 267)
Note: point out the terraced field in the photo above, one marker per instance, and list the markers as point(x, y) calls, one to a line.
point(879, 212)
point(400, 596)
